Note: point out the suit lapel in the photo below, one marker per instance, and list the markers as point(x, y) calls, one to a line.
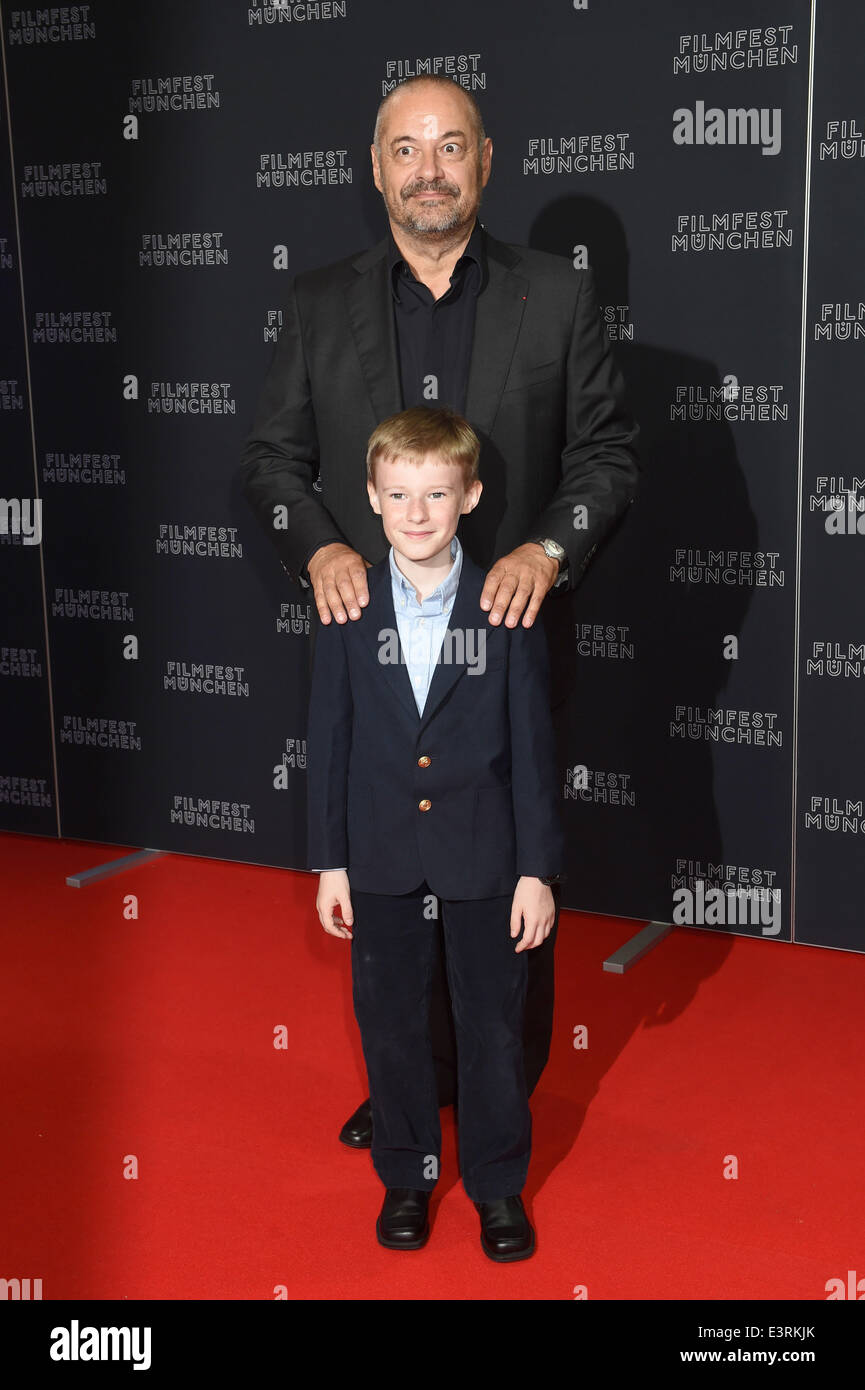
point(370, 313)
point(498, 317)
point(381, 618)
point(466, 613)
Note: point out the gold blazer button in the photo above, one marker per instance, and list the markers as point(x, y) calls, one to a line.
point(424, 805)
point(424, 761)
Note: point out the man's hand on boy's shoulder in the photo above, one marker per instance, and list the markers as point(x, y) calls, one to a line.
point(533, 912)
point(338, 577)
point(518, 583)
point(333, 903)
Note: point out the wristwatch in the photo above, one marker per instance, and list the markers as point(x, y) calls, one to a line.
point(551, 879)
point(555, 552)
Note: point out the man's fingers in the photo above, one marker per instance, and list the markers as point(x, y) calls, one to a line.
point(347, 587)
point(503, 595)
point(525, 591)
point(321, 603)
point(332, 600)
point(491, 584)
point(534, 606)
point(357, 573)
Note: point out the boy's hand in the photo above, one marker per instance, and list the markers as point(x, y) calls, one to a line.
point(333, 903)
point(534, 904)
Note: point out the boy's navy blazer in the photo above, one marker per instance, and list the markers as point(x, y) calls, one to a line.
point(465, 795)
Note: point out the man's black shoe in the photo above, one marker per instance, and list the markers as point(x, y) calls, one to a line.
point(403, 1223)
point(357, 1130)
point(506, 1232)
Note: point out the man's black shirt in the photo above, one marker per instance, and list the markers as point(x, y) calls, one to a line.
point(435, 336)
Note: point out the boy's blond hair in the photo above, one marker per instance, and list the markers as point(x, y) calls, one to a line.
point(421, 432)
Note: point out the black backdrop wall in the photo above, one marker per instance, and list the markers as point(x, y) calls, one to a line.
point(167, 167)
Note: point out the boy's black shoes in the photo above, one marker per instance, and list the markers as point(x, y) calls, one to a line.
point(403, 1222)
point(506, 1232)
point(357, 1130)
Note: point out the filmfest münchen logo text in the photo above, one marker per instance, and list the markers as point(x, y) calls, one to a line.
point(11, 398)
point(69, 180)
point(834, 814)
point(50, 24)
point(762, 230)
point(25, 791)
point(302, 168)
point(185, 92)
point(834, 659)
point(74, 326)
point(212, 813)
point(604, 153)
point(843, 140)
point(736, 49)
point(205, 542)
point(295, 12)
point(757, 568)
point(709, 725)
point(461, 67)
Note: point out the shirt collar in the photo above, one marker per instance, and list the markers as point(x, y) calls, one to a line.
point(475, 251)
point(441, 599)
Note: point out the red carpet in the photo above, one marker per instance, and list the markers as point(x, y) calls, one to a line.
point(154, 1038)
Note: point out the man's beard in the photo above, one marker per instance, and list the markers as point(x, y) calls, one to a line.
point(433, 220)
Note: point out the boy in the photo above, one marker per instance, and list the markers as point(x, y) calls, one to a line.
point(432, 787)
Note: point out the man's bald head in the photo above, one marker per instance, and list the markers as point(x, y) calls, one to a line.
point(412, 84)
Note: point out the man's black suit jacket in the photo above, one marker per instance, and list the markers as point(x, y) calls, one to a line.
point(465, 795)
point(544, 395)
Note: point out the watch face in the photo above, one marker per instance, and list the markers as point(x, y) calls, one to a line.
point(554, 550)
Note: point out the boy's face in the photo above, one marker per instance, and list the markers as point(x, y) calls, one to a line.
point(420, 504)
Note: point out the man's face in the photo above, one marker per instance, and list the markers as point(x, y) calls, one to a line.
point(420, 504)
point(430, 174)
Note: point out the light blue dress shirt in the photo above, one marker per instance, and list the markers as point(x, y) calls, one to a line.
point(422, 626)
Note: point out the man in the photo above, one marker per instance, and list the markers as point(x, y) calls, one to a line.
point(440, 312)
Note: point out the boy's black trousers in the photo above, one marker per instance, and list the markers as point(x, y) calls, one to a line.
point(475, 1048)
point(537, 1024)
